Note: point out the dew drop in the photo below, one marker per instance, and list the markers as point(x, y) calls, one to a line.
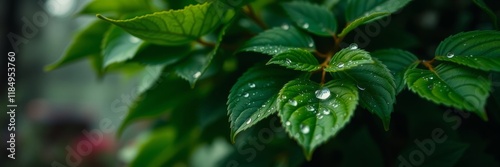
point(431, 78)
point(258, 115)
point(325, 111)
point(323, 94)
point(288, 123)
point(317, 137)
point(304, 129)
point(251, 85)
point(353, 46)
point(249, 121)
point(360, 88)
point(306, 25)
point(311, 44)
point(246, 95)
point(285, 26)
point(340, 65)
point(197, 74)
point(309, 108)
point(450, 55)
point(288, 61)
point(292, 102)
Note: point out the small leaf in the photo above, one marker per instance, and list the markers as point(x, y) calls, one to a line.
point(312, 113)
point(487, 10)
point(119, 46)
point(278, 40)
point(452, 85)
point(297, 59)
point(312, 17)
point(360, 21)
point(193, 67)
point(348, 58)
point(174, 27)
point(253, 97)
point(120, 6)
point(376, 87)
point(476, 49)
point(398, 61)
point(361, 8)
point(85, 44)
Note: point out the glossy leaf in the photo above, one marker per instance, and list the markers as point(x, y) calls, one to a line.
point(452, 85)
point(297, 59)
point(312, 113)
point(278, 40)
point(476, 49)
point(348, 58)
point(376, 87)
point(360, 21)
point(311, 17)
point(361, 8)
point(398, 61)
point(253, 97)
point(119, 46)
point(174, 27)
point(120, 6)
point(85, 44)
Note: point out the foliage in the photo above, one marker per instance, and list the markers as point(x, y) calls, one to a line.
point(294, 64)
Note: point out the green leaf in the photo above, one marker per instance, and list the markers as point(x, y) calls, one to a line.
point(360, 21)
point(487, 10)
point(120, 6)
point(149, 77)
point(253, 97)
point(297, 59)
point(476, 49)
point(193, 67)
point(311, 17)
point(348, 58)
point(376, 87)
point(361, 8)
point(161, 55)
point(174, 27)
point(85, 44)
point(119, 46)
point(452, 85)
point(278, 40)
point(330, 3)
point(398, 61)
point(312, 113)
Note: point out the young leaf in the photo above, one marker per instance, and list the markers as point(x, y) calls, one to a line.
point(120, 6)
point(361, 8)
point(312, 113)
point(119, 46)
point(278, 40)
point(360, 21)
point(297, 59)
point(86, 43)
point(487, 10)
point(476, 49)
point(174, 27)
point(452, 85)
point(348, 58)
point(376, 86)
point(398, 61)
point(312, 17)
point(253, 97)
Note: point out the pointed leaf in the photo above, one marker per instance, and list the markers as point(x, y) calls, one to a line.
point(253, 97)
point(361, 8)
point(312, 113)
point(476, 49)
point(348, 58)
point(311, 17)
point(119, 46)
point(278, 40)
point(85, 44)
point(398, 61)
point(452, 85)
point(174, 27)
point(360, 21)
point(297, 59)
point(376, 86)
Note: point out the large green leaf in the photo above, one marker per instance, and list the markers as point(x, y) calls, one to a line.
point(476, 49)
point(120, 6)
point(174, 27)
point(119, 46)
point(452, 85)
point(297, 59)
point(253, 97)
point(398, 61)
point(360, 21)
point(312, 113)
point(85, 44)
point(278, 40)
point(377, 92)
point(312, 17)
point(361, 8)
point(348, 58)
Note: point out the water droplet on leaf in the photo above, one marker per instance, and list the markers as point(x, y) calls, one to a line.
point(251, 85)
point(197, 74)
point(353, 46)
point(450, 55)
point(323, 94)
point(285, 26)
point(292, 102)
point(288, 123)
point(246, 95)
point(249, 120)
point(309, 108)
point(360, 88)
point(306, 25)
point(304, 129)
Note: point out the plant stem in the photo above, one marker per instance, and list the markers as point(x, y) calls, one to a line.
point(205, 43)
point(428, 64)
